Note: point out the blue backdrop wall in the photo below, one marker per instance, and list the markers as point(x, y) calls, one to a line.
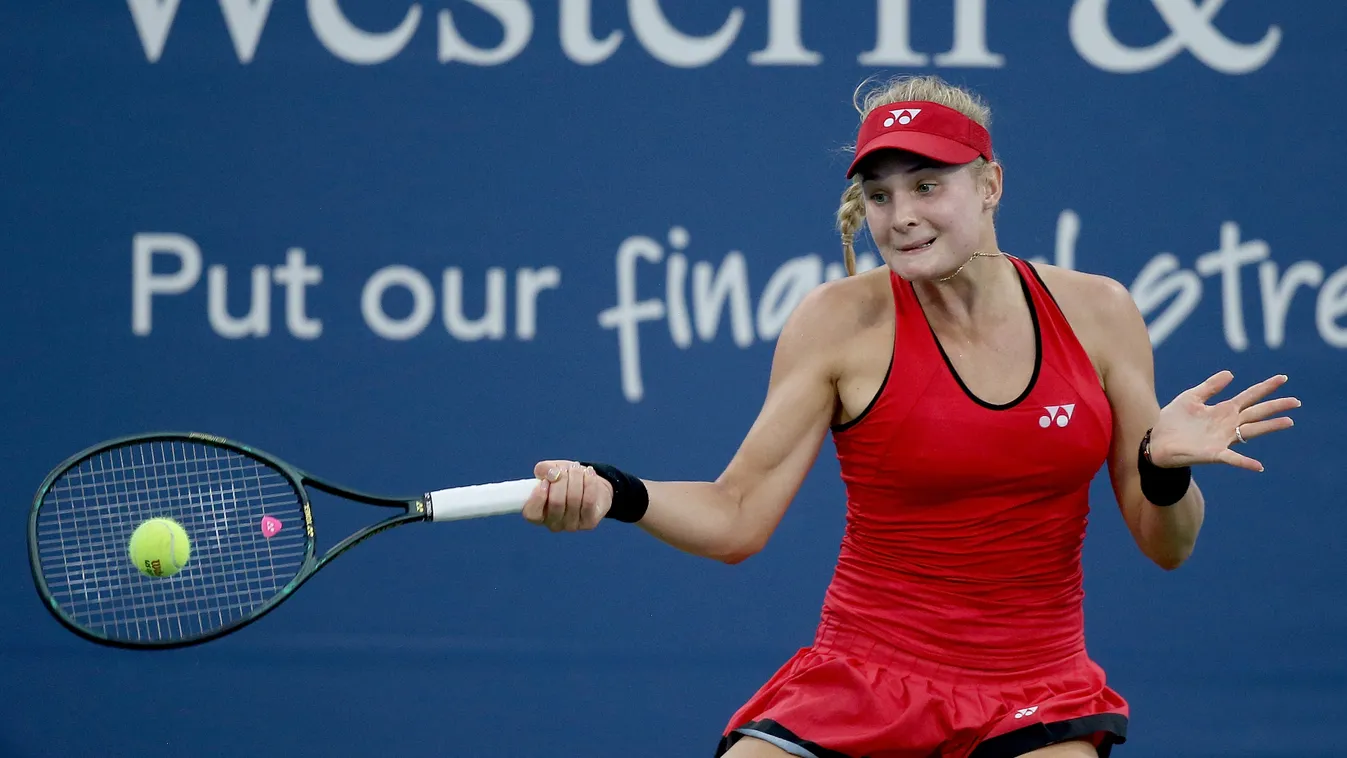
point(409, 246)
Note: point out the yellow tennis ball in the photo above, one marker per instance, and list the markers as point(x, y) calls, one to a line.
point(159, 547)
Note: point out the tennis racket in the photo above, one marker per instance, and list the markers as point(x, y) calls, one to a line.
point(249, 526)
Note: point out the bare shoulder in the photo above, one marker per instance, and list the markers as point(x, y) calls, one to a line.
point(1102, 314)
point(1092, 299)
point(841, 307)
point(832, 315)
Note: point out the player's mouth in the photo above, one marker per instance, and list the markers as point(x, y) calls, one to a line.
point(917, 247)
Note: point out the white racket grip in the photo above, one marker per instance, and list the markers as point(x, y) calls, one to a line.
point(478, 500)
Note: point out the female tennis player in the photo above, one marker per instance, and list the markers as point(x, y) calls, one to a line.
point(972, 396)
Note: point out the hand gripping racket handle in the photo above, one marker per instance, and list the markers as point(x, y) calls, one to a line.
point(478, 500)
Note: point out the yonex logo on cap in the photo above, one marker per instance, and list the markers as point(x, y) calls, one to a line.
point(1021, 713)
point(901, 116)
point(925, 128)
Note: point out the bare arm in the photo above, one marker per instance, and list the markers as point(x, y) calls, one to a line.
point(1186, 432)
point(732, 517)
point(1168, 534)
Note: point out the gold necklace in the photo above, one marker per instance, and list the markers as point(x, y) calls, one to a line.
point(978, 254)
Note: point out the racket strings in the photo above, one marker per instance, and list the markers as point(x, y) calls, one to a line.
point(219, 496)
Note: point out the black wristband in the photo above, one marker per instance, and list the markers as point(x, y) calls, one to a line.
point(1161, 486)
point(630, 499)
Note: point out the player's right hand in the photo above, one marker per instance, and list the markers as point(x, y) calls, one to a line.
point(569, 497)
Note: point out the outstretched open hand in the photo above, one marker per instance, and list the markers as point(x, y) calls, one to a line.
point(1189, 431)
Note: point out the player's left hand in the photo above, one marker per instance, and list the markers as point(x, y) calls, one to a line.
point(1188, 431)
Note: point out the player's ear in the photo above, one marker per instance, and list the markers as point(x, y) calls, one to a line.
point(990, 182)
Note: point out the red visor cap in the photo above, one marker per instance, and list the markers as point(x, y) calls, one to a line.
point(927, 129)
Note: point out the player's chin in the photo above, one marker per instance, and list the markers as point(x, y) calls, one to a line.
point(922, 265)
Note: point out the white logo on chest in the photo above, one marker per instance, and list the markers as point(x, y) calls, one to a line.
point(1059, 413)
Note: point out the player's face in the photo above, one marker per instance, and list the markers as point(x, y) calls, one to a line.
point(927, 219)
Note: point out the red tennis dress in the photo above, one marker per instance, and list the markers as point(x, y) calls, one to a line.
point(953, 625)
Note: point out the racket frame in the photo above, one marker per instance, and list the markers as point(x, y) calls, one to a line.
point(413, 509)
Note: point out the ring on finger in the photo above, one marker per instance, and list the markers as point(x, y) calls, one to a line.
point(1240, 435)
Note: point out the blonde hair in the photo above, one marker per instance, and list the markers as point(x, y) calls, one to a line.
point(851, 213)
